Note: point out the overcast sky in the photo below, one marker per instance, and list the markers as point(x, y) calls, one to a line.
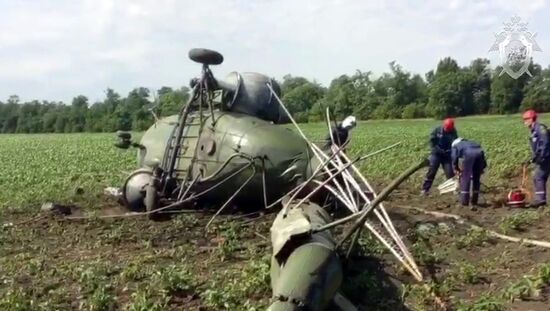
point(57, 49)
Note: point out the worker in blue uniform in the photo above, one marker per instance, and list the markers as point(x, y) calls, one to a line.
point(540, 147)
point(473, 166)
point(441, 139)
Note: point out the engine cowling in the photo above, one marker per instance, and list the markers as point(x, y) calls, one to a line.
point(248, 93)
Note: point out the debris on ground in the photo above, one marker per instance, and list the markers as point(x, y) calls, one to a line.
point(56, 208)
point(112, 191)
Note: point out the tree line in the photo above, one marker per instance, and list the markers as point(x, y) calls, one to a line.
point(113, 113)
point(449, 90)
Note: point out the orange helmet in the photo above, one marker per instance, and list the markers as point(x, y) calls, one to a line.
point(530, 115)
point(448, 124)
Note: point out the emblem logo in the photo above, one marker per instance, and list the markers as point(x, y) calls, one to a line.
point(515, 46)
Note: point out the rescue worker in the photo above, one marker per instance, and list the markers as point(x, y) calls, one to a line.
point(473, 165)
point(340, 133)
point(441, 139)
point(540, 147)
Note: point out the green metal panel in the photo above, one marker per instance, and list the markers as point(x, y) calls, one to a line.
point(155, 140)
point(305, 268)
point(212, 153)
point(234, 133)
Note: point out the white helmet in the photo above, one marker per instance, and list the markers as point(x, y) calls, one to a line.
point(456, 141)
point(349, 122)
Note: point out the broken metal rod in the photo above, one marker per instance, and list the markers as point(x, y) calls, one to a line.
point(383, 194)
point(170, 206)
point(381, 197)
point(326, 181)
point(313, 175)
point(251, 164)
point(316, 151)
point(316, 172)
point(351, 198)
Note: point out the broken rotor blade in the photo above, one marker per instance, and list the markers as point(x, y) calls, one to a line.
point(400, 251)
point(386, 220)
point(338, 160)
point(408, 263)
point(312, 146)
point(383, 216)
point(394, 243)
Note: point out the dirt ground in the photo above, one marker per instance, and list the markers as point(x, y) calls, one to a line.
point(134, 263)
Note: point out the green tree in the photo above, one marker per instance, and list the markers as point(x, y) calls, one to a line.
point(445, 66)
point(79, 110)
point(138, 105)
point(341, 96)
point(387, 96)
point(482, 86)
point(112, 119)
point(301, 98)
point(506, 92)
point(290, 83)
point(430, 76)
point(451, 95)
point(10, 115)
point(62, 123)
point(49, 117)
point(537, 93)
point(97, 114)
point(171, 101)
point(30, 117)
point(413, 111)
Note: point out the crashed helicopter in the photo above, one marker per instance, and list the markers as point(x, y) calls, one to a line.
point(228, 145)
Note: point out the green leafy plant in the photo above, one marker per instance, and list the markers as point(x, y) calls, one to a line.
point(175, 279)
point(518, 221)
point(145, 300)
point(473, 237)
point(468, 273)
point(486, 302)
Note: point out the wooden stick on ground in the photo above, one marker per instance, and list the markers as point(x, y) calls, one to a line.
point(462, 220)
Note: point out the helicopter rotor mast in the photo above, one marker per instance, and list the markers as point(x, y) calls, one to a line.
point(200, 87)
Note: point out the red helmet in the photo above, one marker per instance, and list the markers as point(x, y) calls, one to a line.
point(448, 124)
point(530, 115)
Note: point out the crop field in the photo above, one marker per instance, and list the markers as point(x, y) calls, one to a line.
point(51, 166)
point(48, 263)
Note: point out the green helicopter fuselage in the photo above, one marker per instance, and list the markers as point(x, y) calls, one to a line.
point(214, 148)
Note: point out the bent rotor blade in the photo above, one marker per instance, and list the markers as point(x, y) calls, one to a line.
point(394, 243)
point(389, 236)
point(384, 230)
